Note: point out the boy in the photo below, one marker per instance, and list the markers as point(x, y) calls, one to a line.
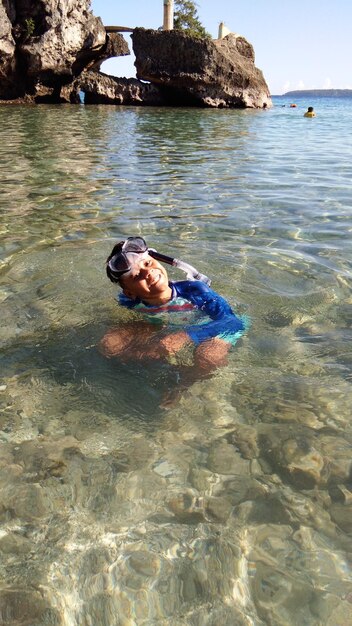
point(177, 313)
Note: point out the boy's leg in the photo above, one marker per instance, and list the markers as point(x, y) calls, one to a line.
point(128, 341)
point(135, 341)
point(211, 354)
point(208, 356)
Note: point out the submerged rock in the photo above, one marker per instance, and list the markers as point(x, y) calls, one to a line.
point(341, 514)
point(224, 459)
point(23, 606)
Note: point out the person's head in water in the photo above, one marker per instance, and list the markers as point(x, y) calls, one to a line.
point(310, 109)
point(138, 274)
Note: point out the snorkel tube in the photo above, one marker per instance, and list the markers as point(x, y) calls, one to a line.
point(191, 272)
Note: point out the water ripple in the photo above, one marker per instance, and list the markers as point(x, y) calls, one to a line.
point(234, 506)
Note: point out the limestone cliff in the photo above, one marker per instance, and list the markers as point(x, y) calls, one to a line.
point(8, 69)
point(48, 47)
point(48, 43)
point(201, 72)
point(100, 88)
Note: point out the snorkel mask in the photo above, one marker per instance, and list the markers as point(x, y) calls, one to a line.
point(135, 248)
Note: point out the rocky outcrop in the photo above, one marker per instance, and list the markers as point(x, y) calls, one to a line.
point(100, 88)
point(48, 47)
point(181, 70)
point(48, 43)
point(116, 46)
point(7, 50)
point(201, 72)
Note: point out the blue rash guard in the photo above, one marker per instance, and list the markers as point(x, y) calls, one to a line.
point(194, 308)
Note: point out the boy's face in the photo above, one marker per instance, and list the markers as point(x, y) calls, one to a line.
point(147, 279)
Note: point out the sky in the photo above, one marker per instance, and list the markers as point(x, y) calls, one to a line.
point(298, 44)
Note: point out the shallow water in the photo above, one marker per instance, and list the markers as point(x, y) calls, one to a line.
point(234, 506)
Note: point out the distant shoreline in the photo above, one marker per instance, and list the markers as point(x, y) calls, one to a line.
point(313, 93)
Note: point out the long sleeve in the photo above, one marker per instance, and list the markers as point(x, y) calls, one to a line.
point(223, 322)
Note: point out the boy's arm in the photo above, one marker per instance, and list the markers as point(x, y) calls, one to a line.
point(222, 319)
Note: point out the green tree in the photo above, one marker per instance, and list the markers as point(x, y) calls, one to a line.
point(186, 18)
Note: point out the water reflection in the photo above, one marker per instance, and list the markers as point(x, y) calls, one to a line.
point(234, 506)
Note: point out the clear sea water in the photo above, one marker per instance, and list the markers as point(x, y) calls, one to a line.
point(234, 506)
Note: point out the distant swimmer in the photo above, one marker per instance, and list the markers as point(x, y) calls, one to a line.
point(293, 106)
point(310, 112)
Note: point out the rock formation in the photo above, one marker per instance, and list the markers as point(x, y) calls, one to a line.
point(48, 43)
point(49, 47)
point(100, 88)
point(7, 50)
point(201, 72)
point(183, 71)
